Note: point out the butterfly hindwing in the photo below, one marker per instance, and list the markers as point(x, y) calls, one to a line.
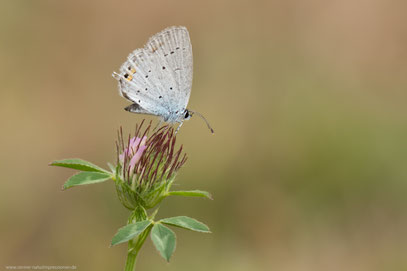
point(136, 108)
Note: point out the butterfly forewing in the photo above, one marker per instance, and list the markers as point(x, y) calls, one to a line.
point(174, 46)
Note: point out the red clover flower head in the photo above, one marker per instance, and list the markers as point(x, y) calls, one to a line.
point(146, 166)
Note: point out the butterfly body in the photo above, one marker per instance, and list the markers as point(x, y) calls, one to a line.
point(167, 116)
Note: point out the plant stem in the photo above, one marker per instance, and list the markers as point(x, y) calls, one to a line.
point(139, 214)
point(131, 260)
point(134, 249)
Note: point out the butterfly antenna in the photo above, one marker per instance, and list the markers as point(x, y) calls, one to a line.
point(202, 117)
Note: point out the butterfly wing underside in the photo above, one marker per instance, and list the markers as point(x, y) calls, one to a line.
point(158, 77)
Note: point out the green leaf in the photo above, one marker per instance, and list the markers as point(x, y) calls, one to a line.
point(78, 164)
point(130, 231)
point(191, 193)
point(186, 223)
point(86, 178)
point(164, 240)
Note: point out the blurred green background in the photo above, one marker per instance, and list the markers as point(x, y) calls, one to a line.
point(308, 165)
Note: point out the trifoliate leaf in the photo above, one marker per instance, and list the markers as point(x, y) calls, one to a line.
point(191, 193)
point(186, 223)
point(164, 240)
point(130, 231)
point(78, 164)
point(86, 178)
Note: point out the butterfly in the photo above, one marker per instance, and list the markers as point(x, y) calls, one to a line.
point(157, 79)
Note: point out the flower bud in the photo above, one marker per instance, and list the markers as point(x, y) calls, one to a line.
point(146, 166)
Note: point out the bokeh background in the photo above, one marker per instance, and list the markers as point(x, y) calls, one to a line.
point(308, 166)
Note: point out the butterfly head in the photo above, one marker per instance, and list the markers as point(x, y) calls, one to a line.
point(187, 114)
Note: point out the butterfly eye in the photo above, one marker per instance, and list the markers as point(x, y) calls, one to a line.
point(186, 114)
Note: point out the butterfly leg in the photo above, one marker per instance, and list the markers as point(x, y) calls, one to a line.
point(179, 126)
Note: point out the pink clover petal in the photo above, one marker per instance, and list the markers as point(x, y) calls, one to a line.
point(133, 142)
point(134, 160)
point(136, 143)
point(143, 142)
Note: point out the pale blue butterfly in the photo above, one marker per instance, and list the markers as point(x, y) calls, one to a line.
point(158, 77)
